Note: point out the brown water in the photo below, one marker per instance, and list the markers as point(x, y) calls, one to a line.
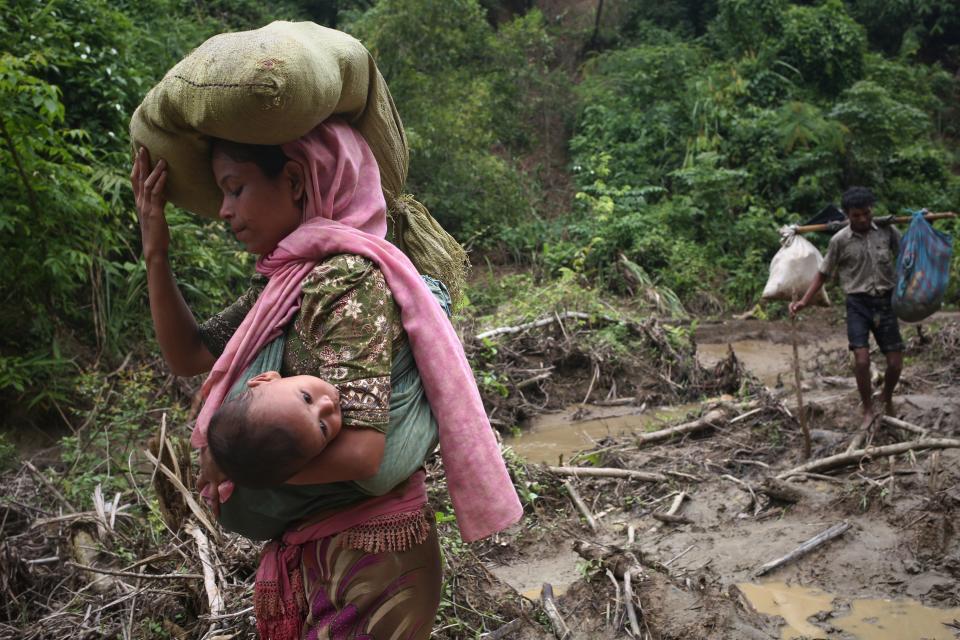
point(764, 359)
point(554, 435)
point(867, 618)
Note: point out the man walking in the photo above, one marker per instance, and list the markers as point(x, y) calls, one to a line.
point(864, 257)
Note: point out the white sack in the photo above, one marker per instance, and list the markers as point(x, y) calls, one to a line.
point(793, 269)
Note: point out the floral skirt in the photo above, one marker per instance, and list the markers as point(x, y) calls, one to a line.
point(351, 594)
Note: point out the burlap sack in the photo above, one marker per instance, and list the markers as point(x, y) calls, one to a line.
point(267, 86)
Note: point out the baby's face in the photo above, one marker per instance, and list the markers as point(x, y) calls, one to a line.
point(306, 405)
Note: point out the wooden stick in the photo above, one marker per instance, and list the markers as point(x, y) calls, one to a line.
point(700, 424)
point(542, 322)
point(616, 591)
point(581, 506)
point(842, 459)
point(903, 424)
point(628, 596)
point(782, 490)
point(669, 518)
point(671, 514)
point(214, 597)
point(808, 546)
point(504, 631)
point(131, 574)
point(884, 220)
point(187, 497)
point(607, 472)
point(560, 628)
point(49, 485)
point(801, 414)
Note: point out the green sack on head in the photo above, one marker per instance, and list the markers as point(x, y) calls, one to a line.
point(267, 86)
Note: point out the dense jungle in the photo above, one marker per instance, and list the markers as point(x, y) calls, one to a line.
point(618, 172)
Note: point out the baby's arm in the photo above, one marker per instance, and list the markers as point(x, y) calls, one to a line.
point(355, 454)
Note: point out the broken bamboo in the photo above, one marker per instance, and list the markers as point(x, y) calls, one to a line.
point(842, 459)
point(607, 472)
point(816, 541)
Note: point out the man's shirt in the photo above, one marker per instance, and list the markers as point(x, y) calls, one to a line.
point(865, 262)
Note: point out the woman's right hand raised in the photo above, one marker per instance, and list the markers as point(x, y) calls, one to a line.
point(148, 192)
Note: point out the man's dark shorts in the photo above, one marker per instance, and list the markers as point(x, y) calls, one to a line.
point(872, 314)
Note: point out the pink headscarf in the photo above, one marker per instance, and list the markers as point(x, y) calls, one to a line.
point(346, 213)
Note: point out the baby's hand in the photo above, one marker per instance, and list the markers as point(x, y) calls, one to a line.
point(211, 477)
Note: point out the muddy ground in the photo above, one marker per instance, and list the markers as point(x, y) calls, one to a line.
point(71, 573)
point(902, 543)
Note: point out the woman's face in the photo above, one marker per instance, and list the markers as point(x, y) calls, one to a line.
point(261, 211)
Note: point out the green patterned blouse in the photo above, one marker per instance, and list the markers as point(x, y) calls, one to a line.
point(345, 332)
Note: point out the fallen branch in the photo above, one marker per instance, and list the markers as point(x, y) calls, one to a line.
point(49, 485)
point(581, 506)
point(670, 516)
point(542, 322)
point(805, 548)
point(707, 421)
point(560, 628)
point(782, 490)
point(607, 472)
point(842, 459)
point(503, 632)
point(903, 424)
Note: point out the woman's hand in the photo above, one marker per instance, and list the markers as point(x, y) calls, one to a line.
point(148, 192)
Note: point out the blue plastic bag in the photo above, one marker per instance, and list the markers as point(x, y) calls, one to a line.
point(923, 267)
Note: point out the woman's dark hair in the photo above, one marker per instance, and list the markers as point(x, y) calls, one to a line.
point(270, 158)
point(857, 198)
point(256, 454)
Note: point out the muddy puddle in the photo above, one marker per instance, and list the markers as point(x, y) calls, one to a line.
point(765, 359)
point(556, 436)
point(863, 619)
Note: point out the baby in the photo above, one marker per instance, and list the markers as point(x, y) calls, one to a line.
point(265, 435)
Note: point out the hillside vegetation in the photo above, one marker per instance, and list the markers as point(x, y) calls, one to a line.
point(555, 135)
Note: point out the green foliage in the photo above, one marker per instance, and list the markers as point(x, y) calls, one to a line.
point(122, 408)
point(444, 65)
point(70, 77)
point(824, 44)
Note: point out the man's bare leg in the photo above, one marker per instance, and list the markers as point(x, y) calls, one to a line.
point(890, 379)
point(861, 369)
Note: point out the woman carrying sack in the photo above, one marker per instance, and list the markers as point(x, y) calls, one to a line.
point(345, 297)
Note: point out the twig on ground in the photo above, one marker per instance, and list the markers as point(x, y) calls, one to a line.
point(616, 591)
point(707, 421)
point(607, 472)
point(581, 505)
point(49, 485)
point(503, 632)
point(842, 459)
point(628, 596)
point(560, 628)
point(671, 514)
point(903, 424)
point(131, 574)
point(542, 322)
point(808, 546)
